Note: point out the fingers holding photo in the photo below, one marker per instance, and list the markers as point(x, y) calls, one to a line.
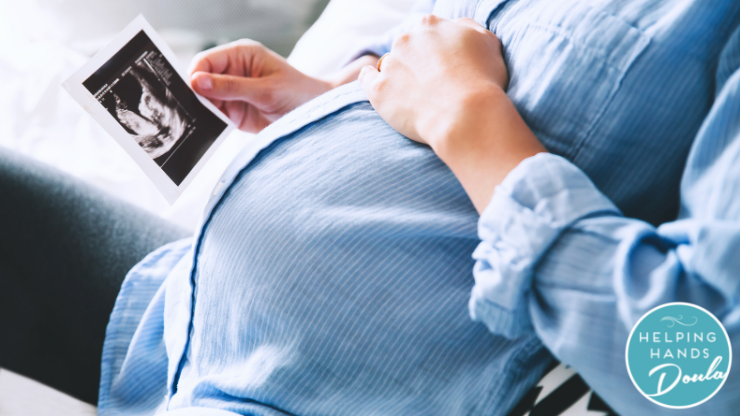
point(251, 84)
point(220, 74)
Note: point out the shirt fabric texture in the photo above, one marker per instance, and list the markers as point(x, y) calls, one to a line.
point(332, 273)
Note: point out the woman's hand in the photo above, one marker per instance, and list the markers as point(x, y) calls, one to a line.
point(433, 74)
point(251, 84)
point(254, 86)
point(444, 84)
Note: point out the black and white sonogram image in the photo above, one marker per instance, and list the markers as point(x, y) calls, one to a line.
point(142, 91)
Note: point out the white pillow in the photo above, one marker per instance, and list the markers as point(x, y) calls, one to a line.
point(342, 27)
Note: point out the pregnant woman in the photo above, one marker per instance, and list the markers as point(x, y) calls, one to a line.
point(332, 272)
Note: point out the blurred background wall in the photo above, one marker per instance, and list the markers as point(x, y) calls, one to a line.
point(85, 25)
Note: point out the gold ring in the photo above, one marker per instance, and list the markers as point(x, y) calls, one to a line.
point(381, 60)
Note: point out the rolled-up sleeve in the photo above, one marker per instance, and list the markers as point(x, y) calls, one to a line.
point(539, 199)
point(557, 257)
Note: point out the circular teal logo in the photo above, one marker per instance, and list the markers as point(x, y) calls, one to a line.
point(678, 355)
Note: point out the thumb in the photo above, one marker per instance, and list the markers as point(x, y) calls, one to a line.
point(230, 88)
point(368, 76)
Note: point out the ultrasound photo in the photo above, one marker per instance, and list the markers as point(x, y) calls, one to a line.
point(142, 91)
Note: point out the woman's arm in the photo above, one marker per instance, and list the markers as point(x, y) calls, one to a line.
point(351, 71)
point(485, 144)
point(557, 257)
point(254, 86)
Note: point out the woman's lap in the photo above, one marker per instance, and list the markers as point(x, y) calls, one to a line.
point(65, 248)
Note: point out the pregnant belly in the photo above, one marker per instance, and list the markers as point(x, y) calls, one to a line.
point(336, 274)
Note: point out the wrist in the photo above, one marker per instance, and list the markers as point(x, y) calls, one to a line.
point(484, 142)
point(331, 81)
point(350, 72)
point(326, 84)
point(465, 119)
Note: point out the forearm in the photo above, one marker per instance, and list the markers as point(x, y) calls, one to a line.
point(486, 140)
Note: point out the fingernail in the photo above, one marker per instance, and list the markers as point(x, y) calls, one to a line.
point(204, 82)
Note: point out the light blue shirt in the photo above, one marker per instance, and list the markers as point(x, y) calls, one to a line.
point(559, 258)
point(332, 273)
